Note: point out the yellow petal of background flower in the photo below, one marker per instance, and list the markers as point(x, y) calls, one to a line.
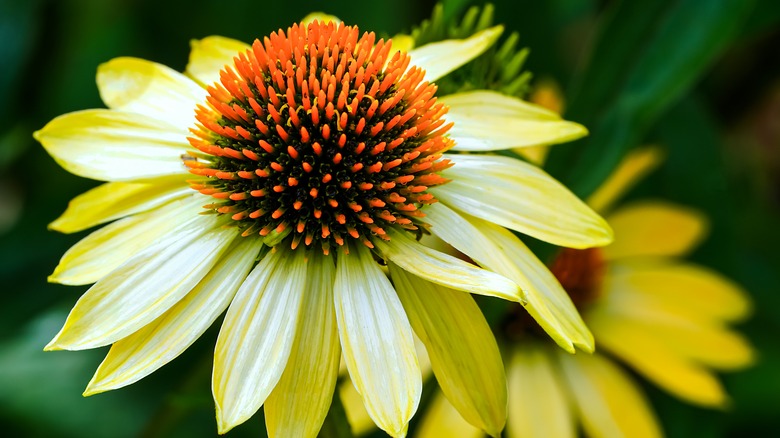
point(321, 17)
point(210, 55)
point(140, 354)
point(154, 90)
point(634, 167)
point(143, 288)
point(440, 58)
point(445, 269)
point(300, 401)
point(487, 121)
point(522, 197)
point(377, 341)
point(654, 228)
point(110, 201)
point(693, 291)
point(256, 338)
point(104, 250)
point(442, 420)
point(608, 402)
point(538, 406)
point(114, 146)
point(652, 357)
point(360, 423)
point(463, 351)
point(548, 303)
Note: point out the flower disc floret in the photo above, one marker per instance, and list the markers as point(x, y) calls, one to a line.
point(320, 133)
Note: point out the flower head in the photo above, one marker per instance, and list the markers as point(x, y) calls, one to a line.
point(663, 317)
point(319, 156)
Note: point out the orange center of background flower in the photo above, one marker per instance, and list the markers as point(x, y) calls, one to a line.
point(320, 133)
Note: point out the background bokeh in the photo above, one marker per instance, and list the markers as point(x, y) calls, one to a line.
point(699, 78)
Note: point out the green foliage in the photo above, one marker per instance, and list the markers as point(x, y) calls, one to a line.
point(500, 68)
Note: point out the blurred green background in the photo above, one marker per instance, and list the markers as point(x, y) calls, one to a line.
point(700, 78)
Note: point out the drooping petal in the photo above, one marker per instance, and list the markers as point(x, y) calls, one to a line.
point(377, 341)
point(112, 201)
point(445, 269)
point(463, 351)
point(608, 402)
point(210, 55)
point(497, 249)
point(692, 291)
point(114, 146)
point(104, 250)
point(256, 338)
point(144, 287)
point(538, 406)
point(522, 197)
point(655, 228)
point(652, 357)
point(441, 419)
point(154, 90)
point(632, 169)
point(440, 58)
point(299, 403)
point(140, 354)
point(488, 121)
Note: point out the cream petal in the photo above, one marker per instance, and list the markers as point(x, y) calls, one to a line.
point(299, 403)
point(114, 146)
point(538, 406)
point(655, 228)
point(445, 269)
point(104, 250)
point(652, 357)
point(499, 250)
point(144, 287)
point(140, 354)
point(634, 167)
point(440, 58)
point(256, 338)
point(377, 341)
point(487, 121)
point(210, 55)
point(522, 197)
point(154, 90)
point(114, 200)
point(463, 351)
point(609, 403)
point(442, 420)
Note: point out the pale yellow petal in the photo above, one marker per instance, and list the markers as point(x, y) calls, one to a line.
point(440, 58)
point(104, 250)
point(538, 406)
point(257, 336)
point(442, 420)
point(505, 253)
point(609, 403)
point(140, 354)
point(402, 42)
point(210, 55)
point(377, 341)
point(462, 349)
point(522, 197)
point(634, 167)
point(144, 287)
point(487, 121)
point(445, 269)
point(111, 201)
point(321, 17)
point(652, 357)
point(654, 228)
point(300, 401)
point(692, 291)
point(154, 90)
point(114, 146)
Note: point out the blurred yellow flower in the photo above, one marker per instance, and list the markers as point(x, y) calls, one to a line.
point(662, 317)
point(275, 181)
